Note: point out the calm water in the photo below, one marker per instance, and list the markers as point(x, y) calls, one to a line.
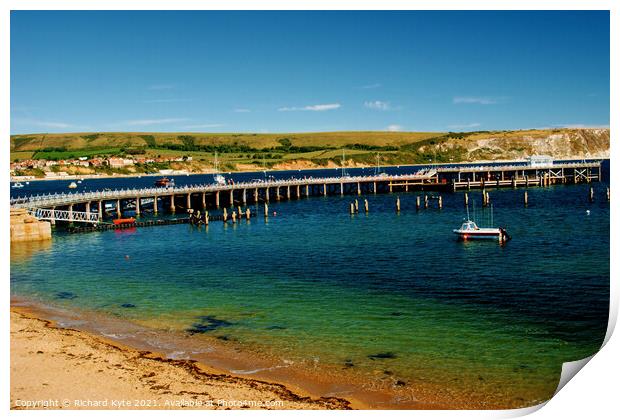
point(378, 295)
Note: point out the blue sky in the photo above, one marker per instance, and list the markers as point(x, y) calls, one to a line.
point(307, 71)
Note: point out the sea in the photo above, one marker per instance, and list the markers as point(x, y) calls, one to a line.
point(385, 307)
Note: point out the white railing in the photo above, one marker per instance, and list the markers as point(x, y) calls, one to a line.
point(64, 215)
point(60, 199)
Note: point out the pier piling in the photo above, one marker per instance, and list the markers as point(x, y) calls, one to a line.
point(417, 203)
point(591, 195)
point(440, 202)
point(425, 201)
point(233, 216)
point(398, 204)
point(466, 200)
point(224, 215)
point(351, 208)
point(525, 198)
point(266, 210)
point(248, 214)
point(357, 206)
point(366, 205)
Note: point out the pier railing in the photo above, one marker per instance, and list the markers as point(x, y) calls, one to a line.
point(59, 199)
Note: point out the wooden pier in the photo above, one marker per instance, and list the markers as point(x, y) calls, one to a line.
point(107, 204)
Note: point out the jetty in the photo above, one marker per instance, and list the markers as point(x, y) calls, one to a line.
point(93, 207)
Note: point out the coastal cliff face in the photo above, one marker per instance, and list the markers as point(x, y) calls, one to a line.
point(25, 227)
point(561, 144)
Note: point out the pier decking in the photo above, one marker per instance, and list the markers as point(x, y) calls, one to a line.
point(435, 178)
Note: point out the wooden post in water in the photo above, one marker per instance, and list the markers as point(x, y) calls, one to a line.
point(298, 192)
point(217, 199)
point(607, 193)
point(248, 214)
point(359, 189)
point(351, 208)
point(206, 217)
point(118, 209)
point(189, 201)
point(307, 190)
point(154, 206)
point(232, 198)
point(525, 198)
point(204, 200)
point(468, 184)
point(366, 205)
point(514, 182)
point(325, 190)
point(357, 206)
point(440, 202)
point(374, 187)
point(266, 210)
point(224, 215)
point(425, 201)
point(341, 189)
point(417, 203)
point(239, 211)
point(256, 195)
point(466, 200)
point(278, 193)
point(137, 207)
point(234, 216)
point(245, 196)
point(591, 195)
point(267, 194)
point(172, 207)
point(397, 204)
point(484, 198)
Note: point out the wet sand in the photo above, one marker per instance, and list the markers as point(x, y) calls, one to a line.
point(60, 368)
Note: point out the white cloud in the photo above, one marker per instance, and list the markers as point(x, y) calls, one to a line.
point(155, 121)
point(163, 101)
point(320, 107)
point(195, 126)
point(371, 86)
point(473, 100)
point(241, 110)
point(379, 105)
point(394, 127)
point(578, 126)
point(160, 87)
point(463, 126)
point(44, 124)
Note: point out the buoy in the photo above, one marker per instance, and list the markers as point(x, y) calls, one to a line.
point(588, 212)
point(274, 213)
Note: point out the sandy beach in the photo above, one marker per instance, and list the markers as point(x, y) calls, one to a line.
point(58, 368)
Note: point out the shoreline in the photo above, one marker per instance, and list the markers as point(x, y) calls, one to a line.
point(76, 369)
point(300, 168)
point(329, 387)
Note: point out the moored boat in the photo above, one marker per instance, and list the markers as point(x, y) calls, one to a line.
point(164, 182)
point(469, 230)
point(73, 185)
point(126, 221)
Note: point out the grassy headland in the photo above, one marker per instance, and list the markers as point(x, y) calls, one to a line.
point(155, 151)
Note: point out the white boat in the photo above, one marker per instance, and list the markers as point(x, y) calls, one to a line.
point(469, 230)
point(217, 177)
point(73, 185)
point(17, 185)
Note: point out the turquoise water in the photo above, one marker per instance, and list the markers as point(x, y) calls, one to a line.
point(378, 295)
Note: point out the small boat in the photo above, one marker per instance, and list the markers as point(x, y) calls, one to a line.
point(127, 221)
point(17, 185)
point(73, 185)
point(469, 230)
point(164, 182)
